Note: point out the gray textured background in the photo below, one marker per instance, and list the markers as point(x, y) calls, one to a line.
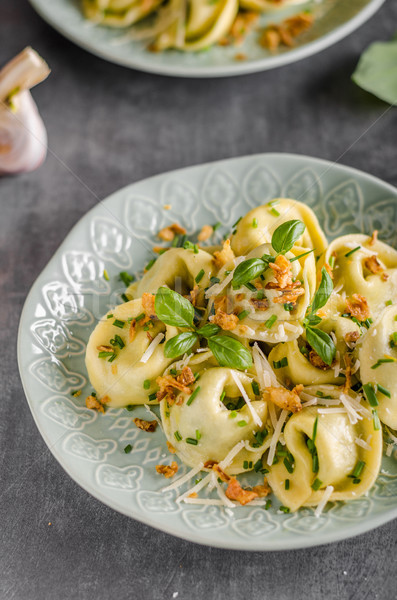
point(107, 127)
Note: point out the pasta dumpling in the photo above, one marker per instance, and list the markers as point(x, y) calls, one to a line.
point(119, 13)
point(205, 429)
point(257, 226)
point(122, 333)
point(177, 269)
point(332, 457)
point(378, 358)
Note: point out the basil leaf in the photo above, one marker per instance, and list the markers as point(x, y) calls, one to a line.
point(286, 235)
point(230, 352)
point(180, 344)
point(376, 71)
point(322, 343)
point(311, 320)
point(247, 271)
point(323, 293)
point(173, 309)
point(209, 330)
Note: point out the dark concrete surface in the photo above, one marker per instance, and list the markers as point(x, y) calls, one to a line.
point(107, 127)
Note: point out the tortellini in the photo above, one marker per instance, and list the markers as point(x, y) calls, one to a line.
point(269, 216)
point(338, 456)
point(363, 266)
point(177, 269)
point(121, 380)
point(118, 13)
point(378, 364)
point(205, 429)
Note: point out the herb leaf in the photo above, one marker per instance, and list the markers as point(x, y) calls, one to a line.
point(209, 330)
point(180, 344)
point(230, 352)
point(376, 71)
point(285, 236)
point(323, 293)
point(322, 343)
point(247, 271)
point(173, 309)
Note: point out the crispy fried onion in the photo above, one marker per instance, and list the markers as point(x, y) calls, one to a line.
point(224, 256)
point(146, 425)
point(373, 265)
point(169, 384)
point(358, 307)
point(167, 470)
point(286, 399)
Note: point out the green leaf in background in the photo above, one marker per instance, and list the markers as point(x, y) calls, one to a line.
point(209, 330)
point(323, 293)
point(322, 343)
point(230, 352)
point(173, 309)
point(285, 236)
point(180, 344)
point(376, 71)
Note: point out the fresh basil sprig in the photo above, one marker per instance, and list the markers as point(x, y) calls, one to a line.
point(285, 236)
point(229, 352)
point(322, 343)
point(248, 270)
point(173, 309)
point(180, 344)
point(323, 293)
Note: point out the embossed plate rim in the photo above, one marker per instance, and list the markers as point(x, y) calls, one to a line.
point(239, 68)
point(350, 528)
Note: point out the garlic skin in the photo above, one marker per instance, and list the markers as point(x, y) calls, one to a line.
point(23, 137)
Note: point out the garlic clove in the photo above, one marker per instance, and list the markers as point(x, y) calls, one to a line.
point(23, 137)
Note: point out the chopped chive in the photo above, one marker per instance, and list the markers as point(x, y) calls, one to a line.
point(124, 298)
point(193, 395)
point(140, 317)
point(317, 483)
point(393, 339)
point(356, 480)
point(233, 414)
point(243, 314)
point(382, 361)
point(191, 441)
point(118, 323)
point(173, 372)
point(128, 448)
point(286, 484)
point(150, 264)
point(198, 435)
point(199, 276)
point(216, 226)
point(237, 222)
point(197, 376)
point(223, 396)
point(389, 302)
point(104, 354)
point(352, 251)
point(130, 407)
point(177, 436)
point(255, 223)
point(279, 364)
point(370, 394)
point(383, 390)
point(146, 384)
point(109, 316)
point(301, 255)
point(368, 322)
point(117, 341)
point(258, 465)
point(375, 418)
point(268, 504)
point(331, 261)
point(250, 287)
point(288, 465)
point(126, 278)
point(260, 295)
point(315, 430)
point(358, 468)
point(152, 396)
point(245, 464)
point(105, 275)
point(274, 212)
point(242, 423)
point(271, 321)
point(284, 509)
point(288, 306)
point(303, 350)
point(315, 464)
point(255, 387)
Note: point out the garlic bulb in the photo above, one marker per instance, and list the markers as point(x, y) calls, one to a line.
point(23, 137)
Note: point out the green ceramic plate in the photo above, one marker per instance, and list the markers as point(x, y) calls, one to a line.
point(71, 294)
point(334, 20)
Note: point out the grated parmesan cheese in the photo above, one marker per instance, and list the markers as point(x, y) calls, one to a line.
point(221, 492)
point(362, 443)
point(276, 435)
point(152, 347)
point(255, 416)
point(230, 456)
point(176, 484)
point(326, 496)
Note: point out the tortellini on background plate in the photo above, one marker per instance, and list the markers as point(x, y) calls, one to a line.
point(269, 216)
point(378, 363)
point(338, 456)
point(121, 380)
